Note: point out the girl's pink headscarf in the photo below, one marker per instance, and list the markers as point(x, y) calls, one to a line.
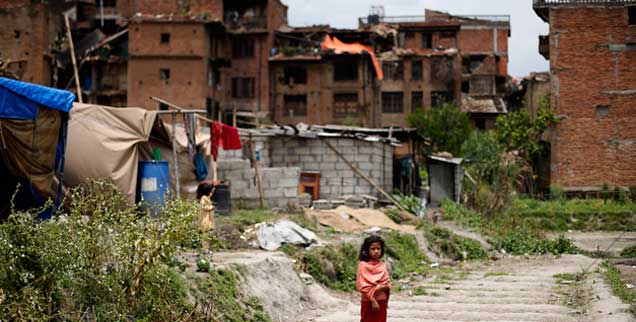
point(371, 275)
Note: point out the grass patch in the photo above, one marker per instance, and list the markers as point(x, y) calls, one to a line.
point(613, 277)
point(629, 252)
point(336, 265)
point(421, 291)
point(445, 242)
point(489, 274)
point(514, 234)
point(219, 298)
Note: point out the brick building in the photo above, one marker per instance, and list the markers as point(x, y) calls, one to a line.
point(592, 52)
point(426, 60)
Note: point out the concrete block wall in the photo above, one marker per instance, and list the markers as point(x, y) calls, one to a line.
point(336, 177)
point(279, 184)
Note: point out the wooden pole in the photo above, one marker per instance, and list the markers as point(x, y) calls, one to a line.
point(258, 177)
point(234, 115)
point(174, 156)
point(364, 176)
point(72, 50)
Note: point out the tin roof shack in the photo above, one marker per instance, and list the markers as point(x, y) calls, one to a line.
point(445, 179)
point(33, 127)
point(592, 51)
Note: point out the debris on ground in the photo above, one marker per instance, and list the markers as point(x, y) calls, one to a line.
point(272, 236)
point(348, 219)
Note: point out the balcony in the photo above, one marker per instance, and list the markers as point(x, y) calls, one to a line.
point(235, 21)
point(544, 46)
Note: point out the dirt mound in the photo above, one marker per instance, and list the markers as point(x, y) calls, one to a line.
point(270, 277)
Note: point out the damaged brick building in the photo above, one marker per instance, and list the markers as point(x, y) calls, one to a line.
point(241, 56)
point(425, 60)
point(592, 53)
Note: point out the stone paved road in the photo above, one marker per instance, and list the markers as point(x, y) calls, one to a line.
point(513, 289)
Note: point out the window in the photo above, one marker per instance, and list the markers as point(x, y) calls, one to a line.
point(163, 107)
point(242, 47)
point(417, 70)
point(243, 87)
point(439, 98)
point(393, 70)
point(295, 105)
point(214, 75)
point(16, 34)
point(447, 34)
point(602, 110)
point(427, 40)
point(392, 102)
point(480, 124)
point(165, 39)
point(346, 69)
point(345, 104)
point(109, 3)
point(417, 100)
point(164, 74)
point(631, 13)
point(295, 75)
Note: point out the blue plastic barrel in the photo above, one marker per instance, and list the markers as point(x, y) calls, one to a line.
point(153, 185)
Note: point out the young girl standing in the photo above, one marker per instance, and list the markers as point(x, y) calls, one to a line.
point(373, 281)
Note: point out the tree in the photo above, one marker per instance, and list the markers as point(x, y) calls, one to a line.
point(446, 126)
point(517, 131)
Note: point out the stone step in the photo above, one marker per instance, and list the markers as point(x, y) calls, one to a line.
point(490, 287)
point(452, 298)
point(412, 315)
point(398, 305)
point(491, 293)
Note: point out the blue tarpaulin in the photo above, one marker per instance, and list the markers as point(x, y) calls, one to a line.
point(32, 152)
point(19, 100)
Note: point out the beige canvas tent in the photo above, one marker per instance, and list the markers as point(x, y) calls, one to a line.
point(108, 142)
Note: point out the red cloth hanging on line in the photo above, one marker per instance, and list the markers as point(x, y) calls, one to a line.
point(224, 136)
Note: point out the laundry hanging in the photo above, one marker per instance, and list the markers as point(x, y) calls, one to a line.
point(224, 136)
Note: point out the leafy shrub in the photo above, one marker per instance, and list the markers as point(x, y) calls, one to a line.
point(411, 203)
point(100, 260)
point(629, 252)
point(445, 242)
point(521, 242)
point(435, 123)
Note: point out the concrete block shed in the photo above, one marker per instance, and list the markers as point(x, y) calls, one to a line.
point(288, 154)
point(445, 178)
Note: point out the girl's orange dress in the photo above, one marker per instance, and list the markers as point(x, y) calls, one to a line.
point(372, 275)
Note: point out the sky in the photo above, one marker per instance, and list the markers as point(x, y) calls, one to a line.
point(526, 26)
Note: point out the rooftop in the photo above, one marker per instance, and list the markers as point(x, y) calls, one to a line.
point(371, 19)
point(554, 3)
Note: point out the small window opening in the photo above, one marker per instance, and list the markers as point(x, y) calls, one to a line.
point(427, 41)
point(602, 110)
point(16, 34)
point(346, 69)
point(163, 106)
point(417, 70)
point(392, 102)
point(393, 70)
point(165, 38)
point(295, 75)
point(295, 105)
point(164, 73)
point(631, 13)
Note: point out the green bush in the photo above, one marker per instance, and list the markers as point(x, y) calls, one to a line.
point(521, 242)
point(336, 266)
point(100, 260)
point(435, 123)
point(629, 252)
point(445, 242)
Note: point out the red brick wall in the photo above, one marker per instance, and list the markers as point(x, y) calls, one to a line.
point(589, 149)
point(32, 24)
point(184, 88)
point(481, 40)
point(185, 39)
